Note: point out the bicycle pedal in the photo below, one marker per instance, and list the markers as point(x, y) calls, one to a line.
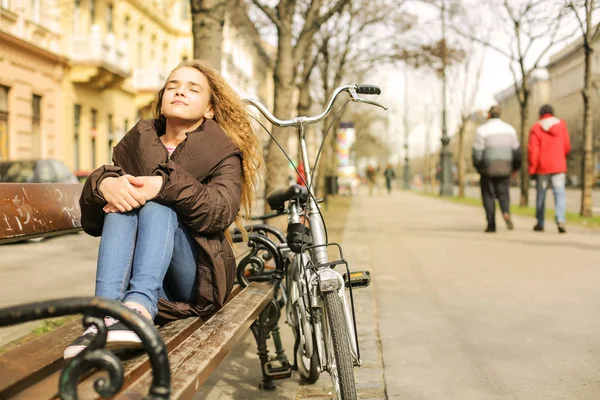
point(358, 279)
point(276, 370)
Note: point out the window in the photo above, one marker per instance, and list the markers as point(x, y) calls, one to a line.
point(111, 137)
point(3, 123)
point(153, 50)
point(185, 9)
point(126, 28)
point(92, 12)
point(76, 133)
point(63, 173)
point(165, 55)
point(109, 18)
point(17, 171)
point(36, 117)
point(94, 126)
point(76, 16)
point(36, 11)
point(5, 4)
point(184, 58)
point(45, 172)
point(140, 47)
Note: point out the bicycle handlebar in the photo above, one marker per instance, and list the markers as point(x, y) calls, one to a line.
point(353, 90)
point(368, 89)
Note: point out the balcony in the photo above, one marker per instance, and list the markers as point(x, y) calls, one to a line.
point(148, 79)
point(99, 61)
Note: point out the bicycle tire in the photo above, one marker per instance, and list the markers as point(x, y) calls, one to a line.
point(311, 374)
point(341, 346)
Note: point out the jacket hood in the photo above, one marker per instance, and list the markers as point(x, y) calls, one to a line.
point(547, 123)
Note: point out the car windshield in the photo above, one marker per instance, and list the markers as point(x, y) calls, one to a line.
point(17, 172)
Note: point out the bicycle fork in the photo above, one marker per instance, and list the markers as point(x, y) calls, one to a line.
point(326, 280)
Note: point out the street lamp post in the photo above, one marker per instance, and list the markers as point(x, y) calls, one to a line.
point(406, 173)
point(445, 154)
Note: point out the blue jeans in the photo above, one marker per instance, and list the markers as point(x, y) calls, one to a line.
point(146, 254)
point(557, 182)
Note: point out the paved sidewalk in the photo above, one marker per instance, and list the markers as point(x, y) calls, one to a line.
point(456, 313)
point(467, 315)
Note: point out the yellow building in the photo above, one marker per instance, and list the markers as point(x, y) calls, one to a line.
point(32, 71)
point(98, 67)
point(120, 54)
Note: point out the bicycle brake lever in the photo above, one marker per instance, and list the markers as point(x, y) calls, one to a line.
point(355, 97)
point(361, 100)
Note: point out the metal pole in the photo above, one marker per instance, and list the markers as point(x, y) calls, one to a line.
point(446, 184)
point(427, 169)
point(406, 129)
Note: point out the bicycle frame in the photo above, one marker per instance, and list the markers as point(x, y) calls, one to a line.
point(319, 277)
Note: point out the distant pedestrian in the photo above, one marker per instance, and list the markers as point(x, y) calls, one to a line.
point(390, 175)
point(371, 178)
point(549, 145)
point(496, 155)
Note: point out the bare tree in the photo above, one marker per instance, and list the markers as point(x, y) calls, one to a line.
point(296, 22)
point(533, 27)
point(348, 46)
point(586, 7)
point(465, 86)
point(208, 18)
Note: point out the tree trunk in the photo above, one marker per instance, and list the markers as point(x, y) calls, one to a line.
point(461, 158)
point(208, 18)
point(284, 77)
point(524, 140)
point(588, 132)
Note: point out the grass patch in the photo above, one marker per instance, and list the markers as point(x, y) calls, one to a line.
point(46, 326)
point(572, 218)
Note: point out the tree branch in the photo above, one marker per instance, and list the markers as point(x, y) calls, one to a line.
point(269, 12)
point(484, 42)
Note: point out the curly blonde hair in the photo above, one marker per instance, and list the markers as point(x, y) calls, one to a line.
point(232, 117)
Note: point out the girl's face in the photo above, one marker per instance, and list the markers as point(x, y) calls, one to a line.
point(187, 96)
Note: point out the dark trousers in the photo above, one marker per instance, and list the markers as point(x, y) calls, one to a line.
point(492, 188)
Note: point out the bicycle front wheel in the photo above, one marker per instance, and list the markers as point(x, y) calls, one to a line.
point(341, 366)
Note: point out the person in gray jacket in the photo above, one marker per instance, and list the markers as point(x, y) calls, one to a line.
point(496, 155)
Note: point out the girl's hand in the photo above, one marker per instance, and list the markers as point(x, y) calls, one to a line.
point(110, 209)
point(151, 186)
point(123, 193)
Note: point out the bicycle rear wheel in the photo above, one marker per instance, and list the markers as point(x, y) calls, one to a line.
point(341, 366)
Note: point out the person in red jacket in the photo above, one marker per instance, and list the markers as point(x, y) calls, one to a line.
point(549, 145)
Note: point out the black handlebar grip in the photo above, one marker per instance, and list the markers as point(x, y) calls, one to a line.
point(368, 89)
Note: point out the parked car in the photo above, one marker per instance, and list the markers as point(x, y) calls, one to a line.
point(82, 175)
point(36, 171)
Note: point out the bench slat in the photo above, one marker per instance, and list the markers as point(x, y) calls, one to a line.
point(196, 357)
point(40, 357)
point(29, 210)
point(33, 370)
point(134, 365)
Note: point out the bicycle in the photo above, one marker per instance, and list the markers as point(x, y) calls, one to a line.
point(313, 292)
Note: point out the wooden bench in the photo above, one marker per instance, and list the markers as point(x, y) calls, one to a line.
point(195, 347)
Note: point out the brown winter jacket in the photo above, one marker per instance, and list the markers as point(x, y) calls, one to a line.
point(202, 181)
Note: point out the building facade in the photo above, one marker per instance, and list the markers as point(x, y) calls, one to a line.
point(32, 74)
point(88, 70)
point(566, 83)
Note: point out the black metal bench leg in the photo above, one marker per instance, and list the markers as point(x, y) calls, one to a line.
point(261, 328)
point(279, 346)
